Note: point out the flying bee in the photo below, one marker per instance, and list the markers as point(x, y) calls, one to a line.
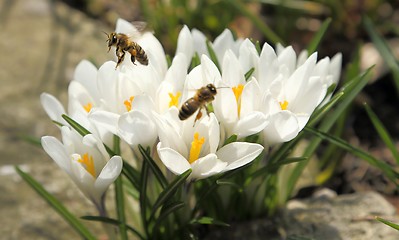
point(123, 44)
point(202, 97)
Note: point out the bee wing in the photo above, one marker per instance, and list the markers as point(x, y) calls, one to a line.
point(133, 30)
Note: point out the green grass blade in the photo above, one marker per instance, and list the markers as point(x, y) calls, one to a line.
point(249, 73)
point(170, 191)
point(391, 224)
point(212, 54)
point(81, 130)
point(170, 208)
point(319, 36)
point(321, 112)
point(154, 167)
point(230, 139)
point(195, 61)
point(119, 196)
point(56, 205)
point(209, 221)
point(382, 132)
point(384, 167)
point(383, 48)
point(143, 200)
point(113, 222)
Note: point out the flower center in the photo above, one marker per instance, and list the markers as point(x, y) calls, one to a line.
point(196, 146)
point(284, 105)
point(88, 162)
point(174, 99)
point(88, 107)
point(128, 103)
point(237, 93)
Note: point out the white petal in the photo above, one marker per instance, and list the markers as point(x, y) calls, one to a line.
point(231, 69)
point(283, 127)
point(288, 58)
point(207, 166)
point(250, 97)
point(108, 174)
point(199, 42)
point(185, 44)
point(268, 66)
point(238, 154)
point(135, 127)
point(106, 78)
point(173, 160)
point(210, 73)
point(86, 74)
point(335, 67)
point(223, 42)
point(104, 119)
point(57, 152)
point(53, 107)
point(248, 56)
point(250, 124)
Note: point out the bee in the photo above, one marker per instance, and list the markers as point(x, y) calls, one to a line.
point(123, 44)
point(202, 97)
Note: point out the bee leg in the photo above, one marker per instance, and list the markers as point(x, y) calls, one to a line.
point(121, 55)
point(207, 110)
point(133, 59)
point(199, 115)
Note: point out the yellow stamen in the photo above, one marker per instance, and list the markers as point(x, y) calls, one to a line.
point(196, 146)
point(128, 103)
point(237, 93)
point(284, 105)
point(88, 107)
point(89, 164)
point(174, 99)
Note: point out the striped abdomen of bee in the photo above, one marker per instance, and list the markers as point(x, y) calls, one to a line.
point(137, 53)
point(202, 97)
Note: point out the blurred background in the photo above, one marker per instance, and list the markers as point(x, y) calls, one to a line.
point(43, 40)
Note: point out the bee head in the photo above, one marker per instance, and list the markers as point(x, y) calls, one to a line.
point(212, 88)
point(112, 39)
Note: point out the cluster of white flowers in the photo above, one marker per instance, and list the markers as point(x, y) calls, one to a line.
point(140, 104)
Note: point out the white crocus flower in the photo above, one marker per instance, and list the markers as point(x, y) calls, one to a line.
point(291, 93)
point(184, 147)
point(86, 161)
point(126, 106)
point(83, 96)
point(236, 101)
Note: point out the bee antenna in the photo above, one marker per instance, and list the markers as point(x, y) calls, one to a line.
point(106, 35)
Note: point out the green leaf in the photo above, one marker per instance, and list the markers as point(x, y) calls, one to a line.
point(31, 139)
point(143, 200)
point(384, 49)
point(170, 191)
point(258, 47)
point(195, 61)
point(154, 167)
point(391, 224)
point(387, 169)
point(168, 60)
point(209, 221)
point(212, 54)
point(382, 132)
point(56, 205)
point(319, 36)
point(167, 209)
point(229, 183)
point(81, 130)
point(119, 197)
point(231, 139)
point(249, 73)
point(113, 222)
point(58, 123)
point(321, 112)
